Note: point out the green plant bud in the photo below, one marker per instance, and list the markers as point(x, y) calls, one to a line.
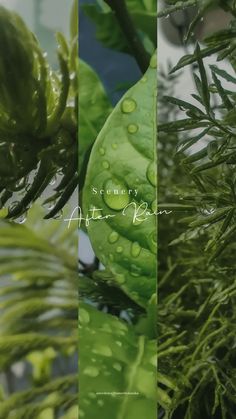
point(21, 74)
point(17, 160)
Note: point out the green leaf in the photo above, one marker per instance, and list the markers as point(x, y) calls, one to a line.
point(228, 77)
point(94, 108)
point(186, 143)
point(182, 125)
point(38, 302)
point(192, 58)
point(163, 399)
point(227, 103)
point(203, 7)
point(212, 150)
point(196, 156)
point(230, 118)
point(108, 29)
point(117, 368)
point(220, 37)
point(212, 164)
point(38, 118)
point(22, 398)
point(212, 218)
point(205, 89)
point(183, 104)
point(123, 161)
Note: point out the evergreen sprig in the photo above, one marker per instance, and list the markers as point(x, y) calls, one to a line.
point(196, 352)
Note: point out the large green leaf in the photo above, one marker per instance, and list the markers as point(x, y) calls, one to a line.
point(123, 161)
point(117, 368)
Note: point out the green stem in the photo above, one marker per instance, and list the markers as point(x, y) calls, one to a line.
point(176, 7)
point(126, 23)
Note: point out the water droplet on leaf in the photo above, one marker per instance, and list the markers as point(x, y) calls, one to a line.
point(102, 151)
point(152, 174)
point(107, 328)
point(13, 205)
point(22, 219)
point(120, 279)
point(58, 215)
point(84, 316)
point(92, 395)
point(128, 105)
point(102, 350)
point(153, 62)
point(135, 249)
point(91, 371)
point(105, 164)
point(135, 270)
point(113, 237)
point(53, 181)
point(154, 206)
point(119, 249)
point(116, 195)
point(152, 242)
point(117, 366)
point(132, 128)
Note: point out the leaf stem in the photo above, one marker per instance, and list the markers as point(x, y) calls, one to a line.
point(176, 7)
point(126, 23)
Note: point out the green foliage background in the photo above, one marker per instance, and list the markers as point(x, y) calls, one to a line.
point(38, 259)
point(117, 335)
point(196, 308)
point(196, 263)
point(38, 315)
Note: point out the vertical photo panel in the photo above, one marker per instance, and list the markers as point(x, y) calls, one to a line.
point(196, 195)
point(117, 209)
point(38, 192)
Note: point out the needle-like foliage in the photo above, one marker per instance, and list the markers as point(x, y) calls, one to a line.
point(38, 324)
